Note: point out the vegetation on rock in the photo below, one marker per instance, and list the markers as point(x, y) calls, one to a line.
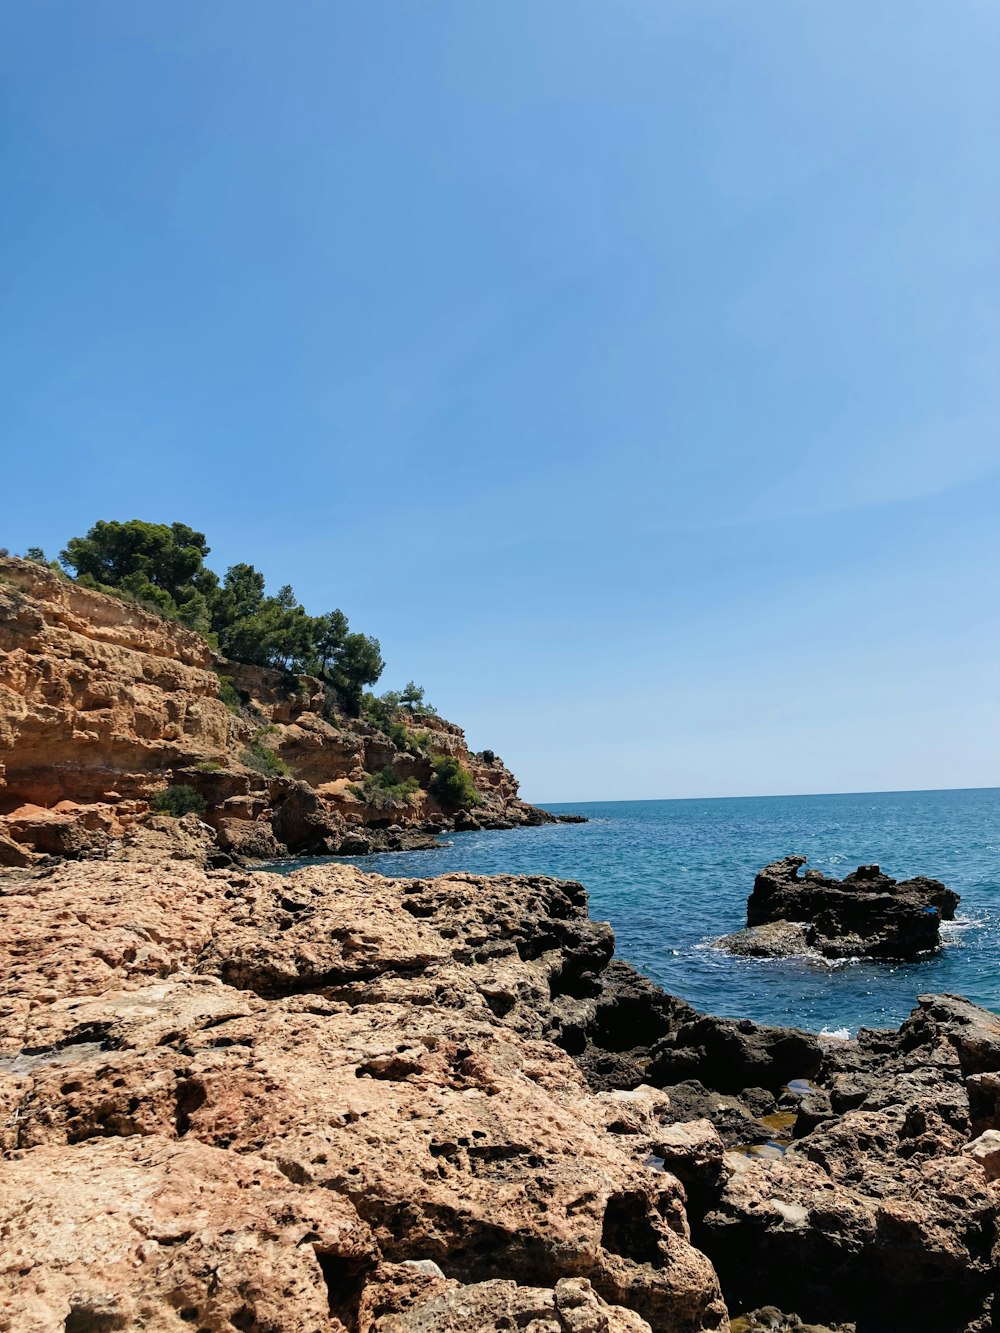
point(386, 710)
point(452, 784)
point(259, 756)
point(229, 695)
point(178, 799)
point(162, 567)
point(385, 790)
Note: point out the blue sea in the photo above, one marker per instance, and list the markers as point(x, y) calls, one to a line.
point(670, 876)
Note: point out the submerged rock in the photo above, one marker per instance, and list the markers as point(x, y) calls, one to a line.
point(866, 914)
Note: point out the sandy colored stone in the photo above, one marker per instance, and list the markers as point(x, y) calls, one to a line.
point(160, 1235)
point(493, 1307)
point(986, 1151)
point(385, 1043)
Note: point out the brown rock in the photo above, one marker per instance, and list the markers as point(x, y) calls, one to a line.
point(152, 1233)
point(15, 853)
point(251, 838)
point(491, 1307)
point(383, 1040)
point(95, 692)
point(104, 702)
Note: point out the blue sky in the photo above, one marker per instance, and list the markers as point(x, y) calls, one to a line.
point(629, 369)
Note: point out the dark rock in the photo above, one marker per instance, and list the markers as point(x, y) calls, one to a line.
point(632, 1013)
point(733, 1118)
point(303, 822)
point(768, 1319)
point(866, 914)
point(352, 844)
point(814, 1109)
point(730, 1054)
point(881, 1211)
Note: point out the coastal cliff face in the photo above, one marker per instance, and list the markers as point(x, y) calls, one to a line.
point(103, 704)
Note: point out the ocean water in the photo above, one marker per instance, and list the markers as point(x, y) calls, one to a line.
point(672, 875)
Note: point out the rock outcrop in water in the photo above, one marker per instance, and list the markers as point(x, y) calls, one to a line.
point(103, 705)
point(867, 914)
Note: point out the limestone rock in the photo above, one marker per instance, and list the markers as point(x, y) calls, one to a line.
point(383, 1046)
point(152, 1233)
point(986, 1151)
point(104, 704)
point(492, 1307)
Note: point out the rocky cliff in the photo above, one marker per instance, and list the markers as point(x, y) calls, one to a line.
point(104, 704)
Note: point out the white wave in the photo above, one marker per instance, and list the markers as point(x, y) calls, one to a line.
point(835, 1034)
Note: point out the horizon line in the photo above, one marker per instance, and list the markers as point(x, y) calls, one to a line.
point(768, 796)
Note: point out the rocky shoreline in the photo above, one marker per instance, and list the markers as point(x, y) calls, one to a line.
point(331, 1102)
point(334, 1101)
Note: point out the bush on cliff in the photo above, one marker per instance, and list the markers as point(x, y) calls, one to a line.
point(385, 790)
point(259, 756)
point(452, 784)
point(387, 710)
point(411, 697)
point(178, 799)
point(229, 695)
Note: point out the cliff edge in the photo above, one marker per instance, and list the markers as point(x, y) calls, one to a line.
point(105, 705)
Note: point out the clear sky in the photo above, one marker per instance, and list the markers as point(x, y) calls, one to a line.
point(629, 369)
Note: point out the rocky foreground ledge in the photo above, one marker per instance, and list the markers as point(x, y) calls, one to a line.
point(333, 1101)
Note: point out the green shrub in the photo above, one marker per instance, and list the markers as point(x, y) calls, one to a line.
point(385, 790)
point(209, 766)
point(452, 784)
point(262, 759)
point(229, 695)
point(398, 734)
point(178, 799)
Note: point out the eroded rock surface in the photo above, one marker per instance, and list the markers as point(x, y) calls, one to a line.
point(371, 1062)
point(865, 914)
point(883, 1210)
point(445, 1101)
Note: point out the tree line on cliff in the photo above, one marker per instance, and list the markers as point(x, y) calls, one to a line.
point(162, 566)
